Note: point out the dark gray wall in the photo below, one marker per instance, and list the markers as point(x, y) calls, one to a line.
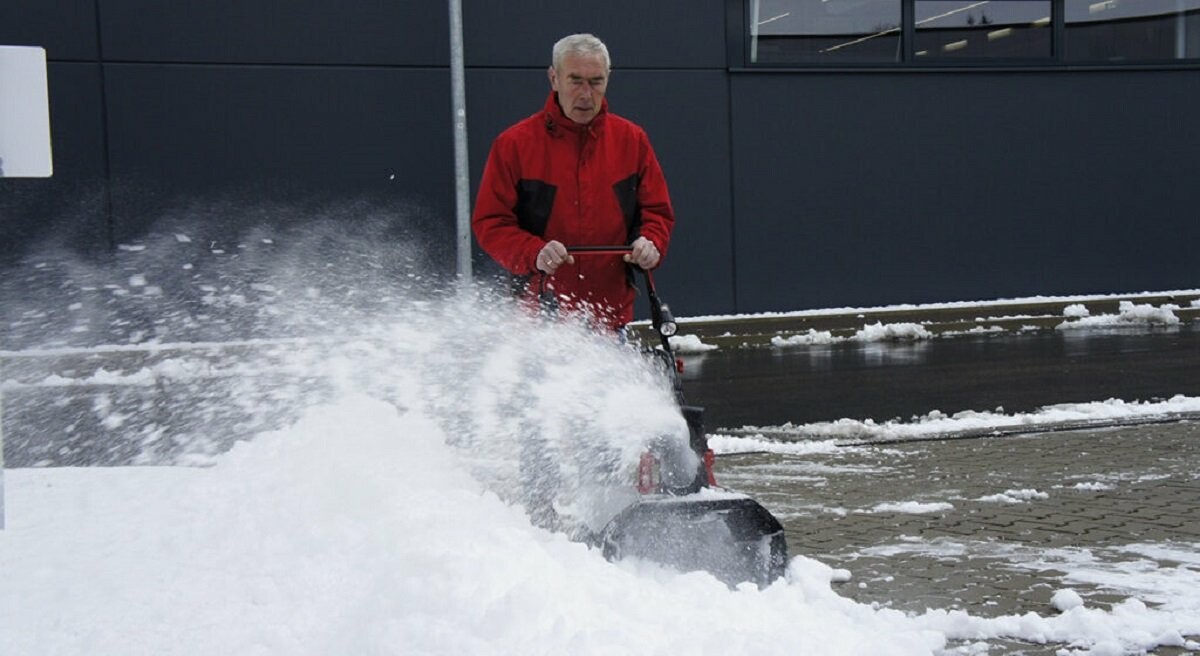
point(889, 187)
point(793, 189)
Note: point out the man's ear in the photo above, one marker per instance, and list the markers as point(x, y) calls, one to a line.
point(550, 76)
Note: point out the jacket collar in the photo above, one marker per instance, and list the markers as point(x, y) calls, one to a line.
point(556, 120)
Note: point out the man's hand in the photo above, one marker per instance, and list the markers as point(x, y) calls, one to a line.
point(552, 256)
point(645, 254)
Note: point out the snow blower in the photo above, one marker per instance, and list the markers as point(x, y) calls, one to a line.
point(681, 518)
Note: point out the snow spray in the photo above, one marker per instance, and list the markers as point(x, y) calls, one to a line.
point(177, 347)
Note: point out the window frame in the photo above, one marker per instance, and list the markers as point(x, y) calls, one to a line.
point(738, 47)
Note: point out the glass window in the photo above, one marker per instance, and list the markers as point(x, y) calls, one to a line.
point(999, 29)
point(1132, 30)
point(816, 31)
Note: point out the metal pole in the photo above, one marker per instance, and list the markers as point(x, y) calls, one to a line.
point(754, 32)
point(458, 94)
point(1180, 30)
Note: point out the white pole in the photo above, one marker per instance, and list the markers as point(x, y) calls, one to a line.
point(1180, 30)
point(754, 32)
point(458, 94)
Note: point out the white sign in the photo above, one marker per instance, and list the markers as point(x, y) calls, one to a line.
point(24, 113)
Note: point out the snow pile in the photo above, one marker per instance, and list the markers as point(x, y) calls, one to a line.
point(912, 507)
point(1014, 496)
point(729, 444)
point(876, 332)
point(1076, 311)
point(1066, 599)
point(978, 330)
point(938, 423)
point(806, 339)
point(954, 305)
point(355, 531)
point(689, 344)
point(1129, 314)
point(1092, 486)
point(892, 332)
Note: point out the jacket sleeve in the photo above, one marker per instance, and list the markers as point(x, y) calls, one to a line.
point(654, 202)
point(494, 220)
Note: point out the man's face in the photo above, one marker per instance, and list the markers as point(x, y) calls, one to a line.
point(580, 82)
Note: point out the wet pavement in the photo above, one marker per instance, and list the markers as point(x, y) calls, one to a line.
point(1020, 372)
point(1003, 522)
point(992, 525)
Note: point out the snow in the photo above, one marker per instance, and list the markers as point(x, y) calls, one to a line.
point(1015, 496)
point(1076, 310)
point(1129, 314)
point(912, 507)
point(382, 519)
point(324, 538)
point(1092, 486)
point(1066, 599)
point(994, 303)
point(806, 339)
point(936, 423)
point(879, 332)
point(689, 344)
point(1129, 627)
point(876, 332)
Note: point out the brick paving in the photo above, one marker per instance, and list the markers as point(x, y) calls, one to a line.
point(1097, 498)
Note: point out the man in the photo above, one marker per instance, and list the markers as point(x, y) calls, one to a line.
point(574, 174)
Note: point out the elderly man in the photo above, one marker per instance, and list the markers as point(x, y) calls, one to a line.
point(575, 174)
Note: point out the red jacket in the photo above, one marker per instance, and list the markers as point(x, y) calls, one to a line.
point(600, 184)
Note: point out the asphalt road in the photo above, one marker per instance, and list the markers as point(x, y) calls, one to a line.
point(1020, 372)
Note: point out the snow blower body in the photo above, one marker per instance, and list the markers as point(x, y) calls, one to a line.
point(680, 517)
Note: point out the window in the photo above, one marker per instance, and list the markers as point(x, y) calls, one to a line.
point(1132, 30)
point(810, 31)
point(1004, 29)
point(939, 33)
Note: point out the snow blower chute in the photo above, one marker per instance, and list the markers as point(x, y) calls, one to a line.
point(681, 518)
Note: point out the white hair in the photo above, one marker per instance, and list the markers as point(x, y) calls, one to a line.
point(580, 44)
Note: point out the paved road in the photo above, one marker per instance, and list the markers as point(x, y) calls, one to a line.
point(1111, 514)
point(882, 381)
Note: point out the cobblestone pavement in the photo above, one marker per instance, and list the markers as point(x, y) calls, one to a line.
point(1110, 514)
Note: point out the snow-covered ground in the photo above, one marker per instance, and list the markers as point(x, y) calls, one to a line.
point(823, 436)
point(358, 530)
point(365, 527)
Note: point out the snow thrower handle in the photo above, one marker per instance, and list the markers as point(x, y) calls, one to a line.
point(660, 315)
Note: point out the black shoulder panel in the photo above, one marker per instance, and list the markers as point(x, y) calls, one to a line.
point(627, 193)
point(535, 200)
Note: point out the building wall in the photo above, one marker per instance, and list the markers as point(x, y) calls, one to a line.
point(933, 186)
point(794, 189)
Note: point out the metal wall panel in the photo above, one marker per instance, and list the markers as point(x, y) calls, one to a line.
point(65, 28)
point(277, 32)
point(659, 34)
point(862, 189)
point(223, 136)
point(848, 187)
point(67, 209)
